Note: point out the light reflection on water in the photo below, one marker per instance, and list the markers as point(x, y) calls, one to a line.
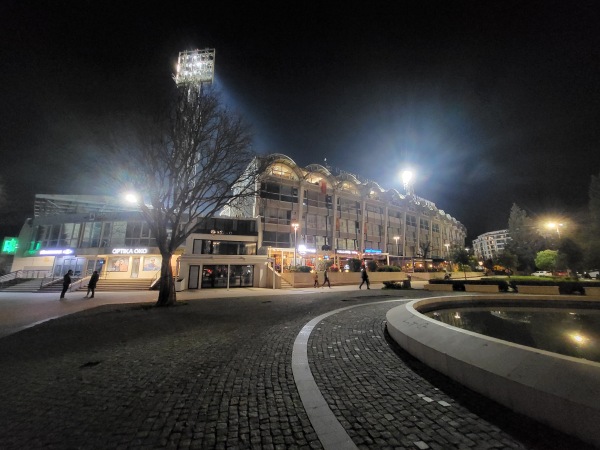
point(571, 332)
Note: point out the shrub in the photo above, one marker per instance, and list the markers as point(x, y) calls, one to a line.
point(389, 269)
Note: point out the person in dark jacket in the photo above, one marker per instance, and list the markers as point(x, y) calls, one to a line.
point(92, 284)
point(66, 283)
point(326, 278)
point(365, 278)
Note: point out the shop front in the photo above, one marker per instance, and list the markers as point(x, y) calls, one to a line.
point(129, 262)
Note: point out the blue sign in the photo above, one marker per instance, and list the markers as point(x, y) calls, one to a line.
point(372, 250)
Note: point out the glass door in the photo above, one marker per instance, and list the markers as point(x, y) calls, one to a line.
point(135, 267)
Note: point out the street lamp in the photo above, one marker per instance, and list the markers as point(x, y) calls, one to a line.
point(555, 226)
point(396, 238)
point(407, 176)
point(295, 226)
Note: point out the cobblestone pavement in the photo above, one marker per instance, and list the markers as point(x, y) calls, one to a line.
point(216, 373)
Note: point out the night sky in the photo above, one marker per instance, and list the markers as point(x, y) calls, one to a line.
point(490, 103)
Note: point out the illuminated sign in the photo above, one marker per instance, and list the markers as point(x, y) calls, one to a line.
point(346, 252)
point(304, 249)
point(57, 251)
point(10, 245)
point(372, 250)
point(129, 251)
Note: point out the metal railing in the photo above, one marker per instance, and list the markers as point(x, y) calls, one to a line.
point(10, 278)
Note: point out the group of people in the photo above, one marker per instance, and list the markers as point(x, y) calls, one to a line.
point(91, 284)
point(325, 279)
point(364, 277)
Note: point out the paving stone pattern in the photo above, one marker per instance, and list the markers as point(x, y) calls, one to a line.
point(216, 373)
point(385, 399)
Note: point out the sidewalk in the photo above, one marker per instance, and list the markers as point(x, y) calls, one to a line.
point(19, 311)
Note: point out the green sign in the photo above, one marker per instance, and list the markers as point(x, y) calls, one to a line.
point(9, 246)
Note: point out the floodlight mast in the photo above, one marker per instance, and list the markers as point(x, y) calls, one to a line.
point(195, 67)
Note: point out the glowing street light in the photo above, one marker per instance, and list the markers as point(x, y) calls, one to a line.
point(555, 226)
point(396, 238)
point(407, 177)
point(195, 67)
point(131, 197)
point(295, 226)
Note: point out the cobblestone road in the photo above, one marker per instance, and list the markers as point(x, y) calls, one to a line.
point(216, 373)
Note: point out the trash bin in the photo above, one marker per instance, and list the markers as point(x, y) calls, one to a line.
point(406, 283)
point(179, 284)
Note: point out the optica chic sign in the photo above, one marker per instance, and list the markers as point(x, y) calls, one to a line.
point(129, 251)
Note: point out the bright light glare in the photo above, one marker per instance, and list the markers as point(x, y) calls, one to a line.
point(407, 176)
point(578, 338)
point(130, 197)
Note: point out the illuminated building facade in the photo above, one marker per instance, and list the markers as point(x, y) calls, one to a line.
point(86, 233)
point(488, 245)
point(340, 217)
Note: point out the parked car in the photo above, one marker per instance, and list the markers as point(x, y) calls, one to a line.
point(541, 273)
point(590, 274)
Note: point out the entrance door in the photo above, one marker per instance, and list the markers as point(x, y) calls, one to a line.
point(194, 275)
point(135, 267)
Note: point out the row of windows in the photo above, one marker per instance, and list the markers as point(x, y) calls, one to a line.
point(93, 235)
point(216, 247)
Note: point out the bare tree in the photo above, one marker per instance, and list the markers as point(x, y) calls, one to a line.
point(187, 164)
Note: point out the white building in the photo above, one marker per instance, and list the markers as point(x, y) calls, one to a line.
point(489, 244)
point(312, 214)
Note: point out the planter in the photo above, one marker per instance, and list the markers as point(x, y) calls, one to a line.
point(592, 291)
point(537, 290)
point(438, 287)
point(482, 288)
point(179, 285)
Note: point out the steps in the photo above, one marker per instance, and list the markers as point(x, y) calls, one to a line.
point(132, 284)
point(25, 286)
point(285, 284)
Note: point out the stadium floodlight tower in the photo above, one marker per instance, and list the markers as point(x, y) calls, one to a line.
point(195, 67)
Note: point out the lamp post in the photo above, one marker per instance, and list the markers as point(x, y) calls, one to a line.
point(396, 238)
point(555, 226)
point(407, 176)
point(447, 254)
point(295, 226)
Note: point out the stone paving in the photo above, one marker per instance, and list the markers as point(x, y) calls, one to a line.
point(216, 373)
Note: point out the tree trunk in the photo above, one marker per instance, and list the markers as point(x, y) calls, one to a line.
point(166, 291)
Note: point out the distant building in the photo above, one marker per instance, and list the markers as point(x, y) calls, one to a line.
point(338, 216)
point(489, 244)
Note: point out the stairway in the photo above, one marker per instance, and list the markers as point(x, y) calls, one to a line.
point(25, 286)
point(132, 284)
point(285, 284)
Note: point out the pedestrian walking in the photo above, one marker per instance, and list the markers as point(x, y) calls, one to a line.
point(92, 284)
point(326, 278)
point(66, 283)
point(365, 278)
point(316, 278)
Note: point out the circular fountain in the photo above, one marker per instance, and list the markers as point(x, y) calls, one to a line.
point(561, 391)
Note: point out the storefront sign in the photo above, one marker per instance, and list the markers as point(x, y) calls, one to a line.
point(372, 251)
point(129, 251)
point(10, 245)
point(346, 252)
point(304, 249)
point(58, 251)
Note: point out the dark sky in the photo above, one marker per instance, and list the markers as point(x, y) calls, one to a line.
point(490, 103)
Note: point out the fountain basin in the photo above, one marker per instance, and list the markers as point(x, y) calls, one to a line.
point(561, 391)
